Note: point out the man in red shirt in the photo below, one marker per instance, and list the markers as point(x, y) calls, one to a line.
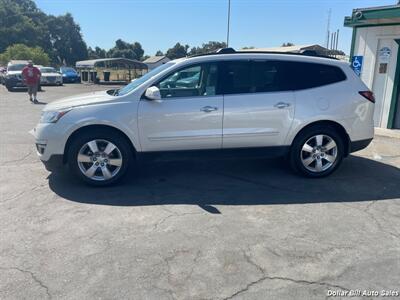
point(31, 76)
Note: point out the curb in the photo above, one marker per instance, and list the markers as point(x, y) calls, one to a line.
point(392, 133)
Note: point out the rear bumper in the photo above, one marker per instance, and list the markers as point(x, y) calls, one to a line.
point(55, 162)
point(359, 145)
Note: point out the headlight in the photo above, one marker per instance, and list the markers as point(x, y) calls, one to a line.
point(52, 116)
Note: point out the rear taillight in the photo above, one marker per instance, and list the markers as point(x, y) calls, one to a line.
point(368, 95)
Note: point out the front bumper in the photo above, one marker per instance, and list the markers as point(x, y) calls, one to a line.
point(50, 81)
point(14, 82)
point(54, 163)
point(71, 79)
point(50, 139)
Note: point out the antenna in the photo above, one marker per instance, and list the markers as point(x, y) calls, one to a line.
point(229, 20)
point(328, 27)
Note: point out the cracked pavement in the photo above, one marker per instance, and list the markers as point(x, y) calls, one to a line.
point(229, 229)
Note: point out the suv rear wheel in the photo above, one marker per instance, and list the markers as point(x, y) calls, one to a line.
point(99, 159)
point(317, 152)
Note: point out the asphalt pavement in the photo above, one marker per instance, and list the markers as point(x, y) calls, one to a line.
point(229, 229)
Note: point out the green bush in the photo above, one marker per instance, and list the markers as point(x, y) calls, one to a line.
point(23, 52)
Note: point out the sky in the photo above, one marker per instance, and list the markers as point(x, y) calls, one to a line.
point(160, 24)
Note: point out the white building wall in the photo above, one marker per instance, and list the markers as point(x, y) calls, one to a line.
point(367, 44)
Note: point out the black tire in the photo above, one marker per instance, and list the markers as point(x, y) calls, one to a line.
point(304, 136)
point(10, 88)
point(105, 134)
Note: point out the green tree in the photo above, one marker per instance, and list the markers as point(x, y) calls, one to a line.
point(287, 44)
point(126, 50)
point(96, 53)
point(159, 53)
point(23, 52)
point(22, 22)
point(66, 39)
point(207, 48)
point(177, 51)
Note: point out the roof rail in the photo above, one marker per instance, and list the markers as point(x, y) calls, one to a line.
point(233, 51)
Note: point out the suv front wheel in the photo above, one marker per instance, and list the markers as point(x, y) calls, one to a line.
point(317, 152)
point(99, 159)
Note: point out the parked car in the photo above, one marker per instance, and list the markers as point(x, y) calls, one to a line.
point(70, 75)
point(314, 111)
point(3, 71)
point(13, 77)
point(50, 76)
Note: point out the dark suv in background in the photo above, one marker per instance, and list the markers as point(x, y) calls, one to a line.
point(13, 75)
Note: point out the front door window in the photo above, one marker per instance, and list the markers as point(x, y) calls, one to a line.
point(193, 81)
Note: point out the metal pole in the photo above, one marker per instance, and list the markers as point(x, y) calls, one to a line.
point(229, 19)
point(328, 27)
point(337, 39)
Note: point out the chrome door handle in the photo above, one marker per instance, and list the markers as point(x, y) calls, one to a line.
point(208, 109)
point(282, 105)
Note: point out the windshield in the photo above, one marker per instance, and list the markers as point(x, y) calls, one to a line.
point(65, 70)
point(16, 67)
point(134, 84)
point(48, 70)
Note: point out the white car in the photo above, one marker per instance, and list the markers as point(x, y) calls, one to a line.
point(13, 76)
point(50, 76)
point(315, 111)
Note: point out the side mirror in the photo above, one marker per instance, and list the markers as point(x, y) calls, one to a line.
point(153, 93)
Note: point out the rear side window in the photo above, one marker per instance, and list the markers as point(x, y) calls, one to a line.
point(276, 76)
point(311, 75)
point(255, 77)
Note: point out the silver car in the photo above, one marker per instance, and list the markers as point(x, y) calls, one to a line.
point(312, 110)
point(50, 76)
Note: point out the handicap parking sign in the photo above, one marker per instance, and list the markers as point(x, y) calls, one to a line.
point(356, 64)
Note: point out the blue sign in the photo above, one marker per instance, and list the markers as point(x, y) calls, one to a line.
point(356, 64)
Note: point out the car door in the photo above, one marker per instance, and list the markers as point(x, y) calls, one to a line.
point(258, 104)
point(189, 115)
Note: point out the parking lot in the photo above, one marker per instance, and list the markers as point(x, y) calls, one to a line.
point(229, 229)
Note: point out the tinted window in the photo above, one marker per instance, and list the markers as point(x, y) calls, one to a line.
point(255, 77)
point(16, 67)
point(275, 76)
point(48, 70)
point(198, 80)
point(310, 75)
point(237, 77)
point(270, 76)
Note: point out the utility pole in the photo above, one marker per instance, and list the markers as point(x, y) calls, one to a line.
point(328, 28)
point(229, 19)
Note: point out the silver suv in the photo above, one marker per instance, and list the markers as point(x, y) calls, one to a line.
point(313, 110)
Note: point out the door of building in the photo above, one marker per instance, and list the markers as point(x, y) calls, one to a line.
point(396, 124)
point(384, 75)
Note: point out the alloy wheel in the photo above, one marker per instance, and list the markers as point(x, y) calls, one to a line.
point(99, 160)
point(319, 153)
